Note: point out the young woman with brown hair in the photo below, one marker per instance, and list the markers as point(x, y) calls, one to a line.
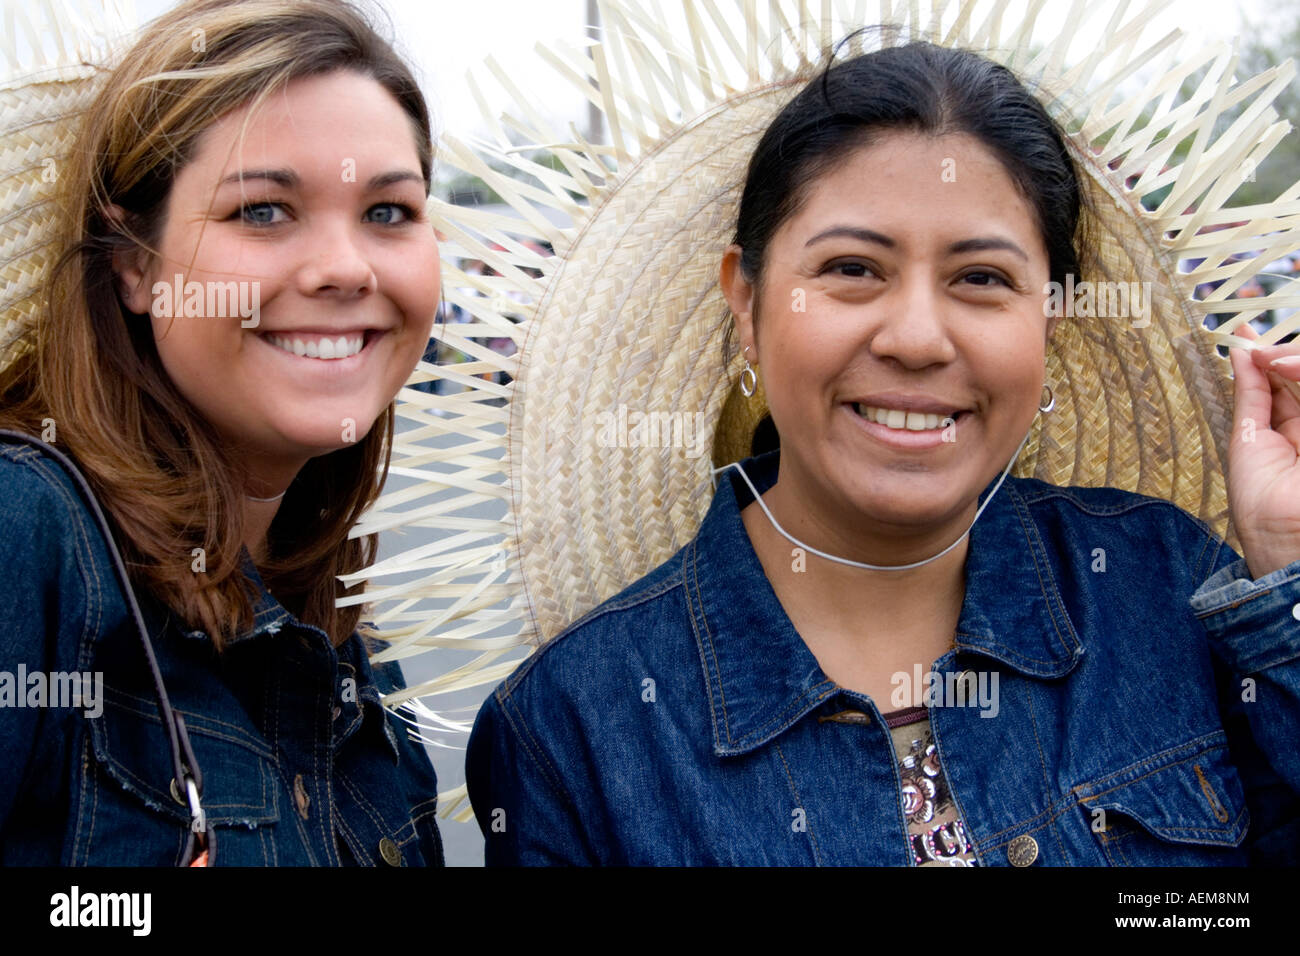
point(243, 278)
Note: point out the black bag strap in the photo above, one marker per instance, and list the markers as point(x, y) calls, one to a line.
point(185, 765)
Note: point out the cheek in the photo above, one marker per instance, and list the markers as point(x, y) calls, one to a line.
point(415, 283)
point(1014, 376)
point(191, 352)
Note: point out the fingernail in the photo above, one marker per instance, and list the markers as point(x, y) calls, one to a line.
point(1287, 361)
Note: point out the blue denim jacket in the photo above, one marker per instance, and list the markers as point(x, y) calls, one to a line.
point(301, 763)
point(684, 721)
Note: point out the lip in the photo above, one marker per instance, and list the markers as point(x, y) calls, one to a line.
point(331, 333)
point(910, 402)
point(902, 439)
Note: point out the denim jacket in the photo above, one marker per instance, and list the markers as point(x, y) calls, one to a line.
point(684, 721)
point(301, 764)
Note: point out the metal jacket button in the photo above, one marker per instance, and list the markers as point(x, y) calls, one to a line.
point(1022, 851)
point(389, 851)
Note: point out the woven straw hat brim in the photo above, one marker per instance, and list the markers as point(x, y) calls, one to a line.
point(627, 317)
point(47, 81)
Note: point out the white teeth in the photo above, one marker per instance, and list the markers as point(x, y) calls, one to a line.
point(899, 419)
point(328, 349)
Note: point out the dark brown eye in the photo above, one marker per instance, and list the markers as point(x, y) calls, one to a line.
point(852, 270)
point(985, 279)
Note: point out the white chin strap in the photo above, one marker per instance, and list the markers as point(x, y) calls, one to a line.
point(859, 564)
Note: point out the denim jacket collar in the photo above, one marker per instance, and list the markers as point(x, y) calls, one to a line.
point(269, 615)
point(269, 618)
point(762, 677)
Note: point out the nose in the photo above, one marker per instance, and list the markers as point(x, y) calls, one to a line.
point(336, 263)
point(912, 324)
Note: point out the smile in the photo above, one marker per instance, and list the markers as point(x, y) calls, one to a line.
point(323, 347)
point(900, 420)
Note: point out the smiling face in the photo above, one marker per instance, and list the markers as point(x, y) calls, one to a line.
point(313, 207)
point(922, 300)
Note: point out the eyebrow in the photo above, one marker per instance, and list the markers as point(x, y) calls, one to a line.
point(981, 244)
point(290, 180)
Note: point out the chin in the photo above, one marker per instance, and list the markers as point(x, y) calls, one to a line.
point(322, 436)
point(910, 500)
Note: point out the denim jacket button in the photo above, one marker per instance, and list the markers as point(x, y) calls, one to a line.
point(1295, 612)
point(389, 851)
point(1022, 851)
point(300, 797)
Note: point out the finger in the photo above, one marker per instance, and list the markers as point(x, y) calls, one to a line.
point(1252, 392)
point(1286, 405)
point(1287, 366)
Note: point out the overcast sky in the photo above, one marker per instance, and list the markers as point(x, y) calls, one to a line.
point(444, 38)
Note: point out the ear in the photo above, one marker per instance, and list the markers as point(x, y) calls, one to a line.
point(739, 293)
point(130, 265)
point(1052, 319)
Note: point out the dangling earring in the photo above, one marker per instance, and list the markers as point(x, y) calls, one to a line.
point(1048, 405)
point(747, 387)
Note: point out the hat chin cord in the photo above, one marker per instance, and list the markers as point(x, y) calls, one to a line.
point(859, 564)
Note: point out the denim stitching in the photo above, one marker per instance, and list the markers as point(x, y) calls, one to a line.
point(322, 750)
point(380, 824)
point(409, 831)
point(532, 747)
point(1157, 760)
point(1042, 765)
point(149, 712)
point(1225, 830)
point(690, 563)
point(594, 614)
point(798, 802)
point(1069, 642)
point(952, 792)
point(802, 702)
point(354, 844)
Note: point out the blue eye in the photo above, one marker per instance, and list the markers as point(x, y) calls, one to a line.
point(390, 213)
point(260, 213)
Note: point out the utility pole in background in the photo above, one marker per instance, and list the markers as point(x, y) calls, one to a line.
point(595, 120)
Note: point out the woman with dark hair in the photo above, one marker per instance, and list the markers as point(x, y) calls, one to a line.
point(880, 648)
point(243, 277)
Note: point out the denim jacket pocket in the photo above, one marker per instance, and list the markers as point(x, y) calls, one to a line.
point(1183, 807)
point(132, 813)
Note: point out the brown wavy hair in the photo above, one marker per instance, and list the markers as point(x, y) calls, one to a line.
point(159, 469)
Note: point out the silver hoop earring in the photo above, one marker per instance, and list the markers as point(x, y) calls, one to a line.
point(1048, 405)
point(747, 386)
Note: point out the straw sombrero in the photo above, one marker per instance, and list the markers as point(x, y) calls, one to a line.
point(592, 465)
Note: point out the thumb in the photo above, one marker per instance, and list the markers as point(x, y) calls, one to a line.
point(1252, 392)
